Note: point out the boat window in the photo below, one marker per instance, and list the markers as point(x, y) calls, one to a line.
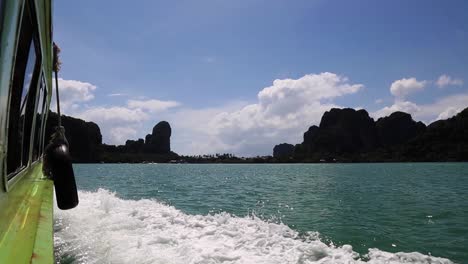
point(40, 111)
point(44, 110)
point(23, 96)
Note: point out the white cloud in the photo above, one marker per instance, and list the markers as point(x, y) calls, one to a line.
point(283, 112)
point(445, 80)
point(115, 114)
point(116, 94)
point(378, 101)
point(442, 108)
point(403, 106)
point(289, 95)
point(73, 92)
point(117, 123)
point(152, 105)
point(402, 88)
point(449, 112)
point(119, 135)
point(191, 130)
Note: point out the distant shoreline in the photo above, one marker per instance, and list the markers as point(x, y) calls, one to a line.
point(269, 163)
point(343, 136)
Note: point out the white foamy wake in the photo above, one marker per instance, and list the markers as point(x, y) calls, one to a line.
point(107, 229)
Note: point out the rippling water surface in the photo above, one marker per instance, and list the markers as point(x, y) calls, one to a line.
point(301, 213)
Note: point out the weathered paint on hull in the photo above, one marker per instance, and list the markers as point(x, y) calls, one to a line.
point(26, 234)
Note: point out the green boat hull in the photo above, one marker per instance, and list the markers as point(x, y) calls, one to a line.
point(26, 228)
point(26, 198)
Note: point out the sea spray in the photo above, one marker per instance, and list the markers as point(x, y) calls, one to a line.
point(107, 229)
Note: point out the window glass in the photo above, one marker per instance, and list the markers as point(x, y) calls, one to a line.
point(22, 97)
point(24, 127)
point(43, 119)
point(40, 107)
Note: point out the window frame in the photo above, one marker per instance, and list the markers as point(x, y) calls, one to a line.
point(28, 32)
point(39, 110)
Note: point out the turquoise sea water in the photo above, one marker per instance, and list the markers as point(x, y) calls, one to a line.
point(300, 213)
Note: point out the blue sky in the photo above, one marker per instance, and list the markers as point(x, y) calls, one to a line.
point(204, 66)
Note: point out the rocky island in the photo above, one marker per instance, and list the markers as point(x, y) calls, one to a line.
point(156, 147)
point(348, 135)
point(343, 135)
point(86, 145)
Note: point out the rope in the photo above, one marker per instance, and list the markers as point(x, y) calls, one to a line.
point(56, 68)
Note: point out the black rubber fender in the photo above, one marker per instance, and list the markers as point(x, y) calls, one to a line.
point(59, 164)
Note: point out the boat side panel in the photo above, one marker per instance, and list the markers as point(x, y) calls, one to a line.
point(8, 40)
point(10, 25)
point(26, 226)
point(44, 20)
point(42, 251)
point(26, 210)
